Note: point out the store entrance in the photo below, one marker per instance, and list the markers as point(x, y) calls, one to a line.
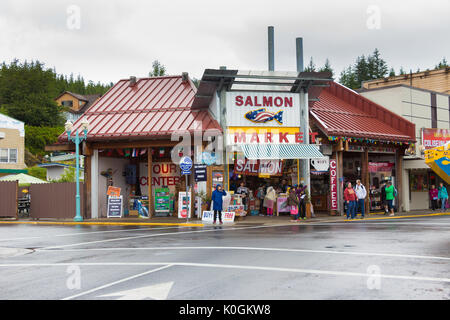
point(255, 186)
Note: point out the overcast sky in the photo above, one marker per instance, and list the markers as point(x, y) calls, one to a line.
point(110, 40)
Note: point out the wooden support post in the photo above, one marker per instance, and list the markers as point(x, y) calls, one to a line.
point(87, 152)
point(340, 175)
point(365, 177)
point(151, 200)
point(398, 178)
point(87, 187)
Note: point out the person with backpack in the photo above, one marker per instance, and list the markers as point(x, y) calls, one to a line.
point(442, 196)
point(383, 201)
point(293, 203)
point(391, 193)
point(361, 195)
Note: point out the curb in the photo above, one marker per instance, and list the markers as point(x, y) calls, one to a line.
point(105, 223)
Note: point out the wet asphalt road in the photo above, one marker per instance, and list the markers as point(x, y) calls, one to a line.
point(384, 259)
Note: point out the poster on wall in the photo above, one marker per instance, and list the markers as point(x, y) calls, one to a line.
point(217, 178)
point(184, 205)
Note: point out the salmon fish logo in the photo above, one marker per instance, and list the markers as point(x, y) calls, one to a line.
point(263, 116)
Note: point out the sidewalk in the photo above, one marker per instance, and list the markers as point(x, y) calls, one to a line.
point(248, 220)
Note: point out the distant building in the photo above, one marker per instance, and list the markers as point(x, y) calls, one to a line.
point(12, 146)
point(435, 80)
point(76, 103)
point(55, 170)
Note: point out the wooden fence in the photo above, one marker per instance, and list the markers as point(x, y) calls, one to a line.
point(8, 198)
point(55, 200)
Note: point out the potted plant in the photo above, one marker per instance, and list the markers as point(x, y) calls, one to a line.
point(308, 204)
point(206, 200)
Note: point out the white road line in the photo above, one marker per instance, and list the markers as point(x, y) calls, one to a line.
point(214, 229)
point(143, 228)
point(161, 234)
point(116, 282)
point(254, 249)
point(225, 266)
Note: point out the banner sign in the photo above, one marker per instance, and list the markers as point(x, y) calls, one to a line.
point(333, 185)
point(227, 217)
point(380, 166)
point(115, 205)
point(258, 167)
point(432, 138)
point(261, 109)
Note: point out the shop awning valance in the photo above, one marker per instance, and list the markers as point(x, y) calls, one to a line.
point(281, 151)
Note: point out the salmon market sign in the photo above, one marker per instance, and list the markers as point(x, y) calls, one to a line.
point(262, 109)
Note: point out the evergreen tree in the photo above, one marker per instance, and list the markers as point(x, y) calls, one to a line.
point(442, 64)
point(327, 67)
point(158, 69)
point(311, 67)
point(392, 72)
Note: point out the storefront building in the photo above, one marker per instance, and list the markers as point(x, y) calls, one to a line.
point(267, 140)
point(131, 147)
point(363, 141)
point(430, 111)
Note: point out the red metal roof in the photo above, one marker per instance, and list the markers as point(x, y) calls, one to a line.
point(153, 108)
point(343, 112)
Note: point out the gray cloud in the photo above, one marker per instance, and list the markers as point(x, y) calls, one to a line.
point(122, 38)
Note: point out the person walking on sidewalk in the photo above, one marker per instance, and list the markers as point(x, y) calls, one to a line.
point(293, 203)
point(434, 197)
point(361, 195)
point(217, 198)
point(391, 193)
point(443, 196)
point(350, 198)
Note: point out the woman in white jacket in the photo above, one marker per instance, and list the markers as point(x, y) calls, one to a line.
point(269, 200)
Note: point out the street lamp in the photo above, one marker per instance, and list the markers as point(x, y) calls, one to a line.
point(77, 140)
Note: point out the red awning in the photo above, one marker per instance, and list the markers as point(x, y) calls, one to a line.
point(343, 112)
point(152, 108)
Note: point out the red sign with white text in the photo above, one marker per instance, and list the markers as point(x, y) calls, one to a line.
point(333, 185)
point(435, 137)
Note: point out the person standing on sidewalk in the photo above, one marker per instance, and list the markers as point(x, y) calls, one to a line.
point(443, 196)
point(269, 200)
point(361, 195)
point(350, 198)
point(217, 198)
point(390, 196)
point(383, 204)
point(293, 203)
point(434, 197)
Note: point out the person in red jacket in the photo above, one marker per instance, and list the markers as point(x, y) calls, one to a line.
point(350, 199)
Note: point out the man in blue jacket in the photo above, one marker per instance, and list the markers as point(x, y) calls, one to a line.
point(217, 198)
